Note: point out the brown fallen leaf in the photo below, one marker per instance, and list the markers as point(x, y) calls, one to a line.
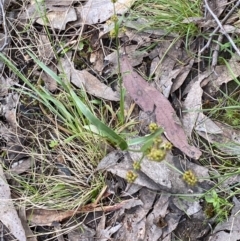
point(150, 100)
point(45, 217)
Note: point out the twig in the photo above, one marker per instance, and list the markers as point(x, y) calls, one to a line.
point(4, 24)
point(221, 27)
point(216, 51)
point(218, 27)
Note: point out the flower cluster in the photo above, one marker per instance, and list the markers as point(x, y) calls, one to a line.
point(153, 127)
point(156, 154)
point(156, 151)
point(137, 165)
point(159, 149)
point(190, 178)
point(131, 176)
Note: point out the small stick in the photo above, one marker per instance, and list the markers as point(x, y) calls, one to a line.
point(4, 24)
point(218, 27)
point(222, 28)
point(216, 51)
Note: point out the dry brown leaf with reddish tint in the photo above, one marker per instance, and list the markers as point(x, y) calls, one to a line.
point(149, 99)
point(45, 217)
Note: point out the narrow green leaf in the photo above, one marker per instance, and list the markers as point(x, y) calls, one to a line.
point(110, 134)
point(145, 139)
point(113, 136)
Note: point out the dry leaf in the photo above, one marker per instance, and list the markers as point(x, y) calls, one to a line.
point(58, 14)
point(177, 83)
point(8, 214)
point(45, 50)
point(50, 83)
point(135, 56)
point(158, 213)
point(214, 79)
point(163, 75)
point(96, 11)
point(83, 79)
point(59, 19)
point(192, 104)
point(28, 231)
point(150, 100)
point(167, 178)
point(140, 25)
point(9, 109)
point(228, 141)
point(204, 124)
point(111, 163)
point(46, 217)
point(93, 86)
point(5, 84)
point(193, 117)
point(81, 234)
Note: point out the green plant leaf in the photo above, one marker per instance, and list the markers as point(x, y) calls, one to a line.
point(110, 134)
point(145, 140)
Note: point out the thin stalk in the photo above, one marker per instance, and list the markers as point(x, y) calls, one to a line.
point(120, 79)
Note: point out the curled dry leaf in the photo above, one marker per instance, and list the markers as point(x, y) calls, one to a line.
point(150, 100)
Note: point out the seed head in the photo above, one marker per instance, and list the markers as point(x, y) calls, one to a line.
point(153, 127)
point(131, 176)
point(190, 178)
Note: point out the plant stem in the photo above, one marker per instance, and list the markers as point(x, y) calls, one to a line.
point(120, 80)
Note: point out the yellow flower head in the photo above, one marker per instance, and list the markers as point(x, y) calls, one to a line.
point(131, 176)
point(190, 178)
point(153, 127)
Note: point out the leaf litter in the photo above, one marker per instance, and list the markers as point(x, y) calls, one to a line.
point(150, 100)
point(149, 216)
